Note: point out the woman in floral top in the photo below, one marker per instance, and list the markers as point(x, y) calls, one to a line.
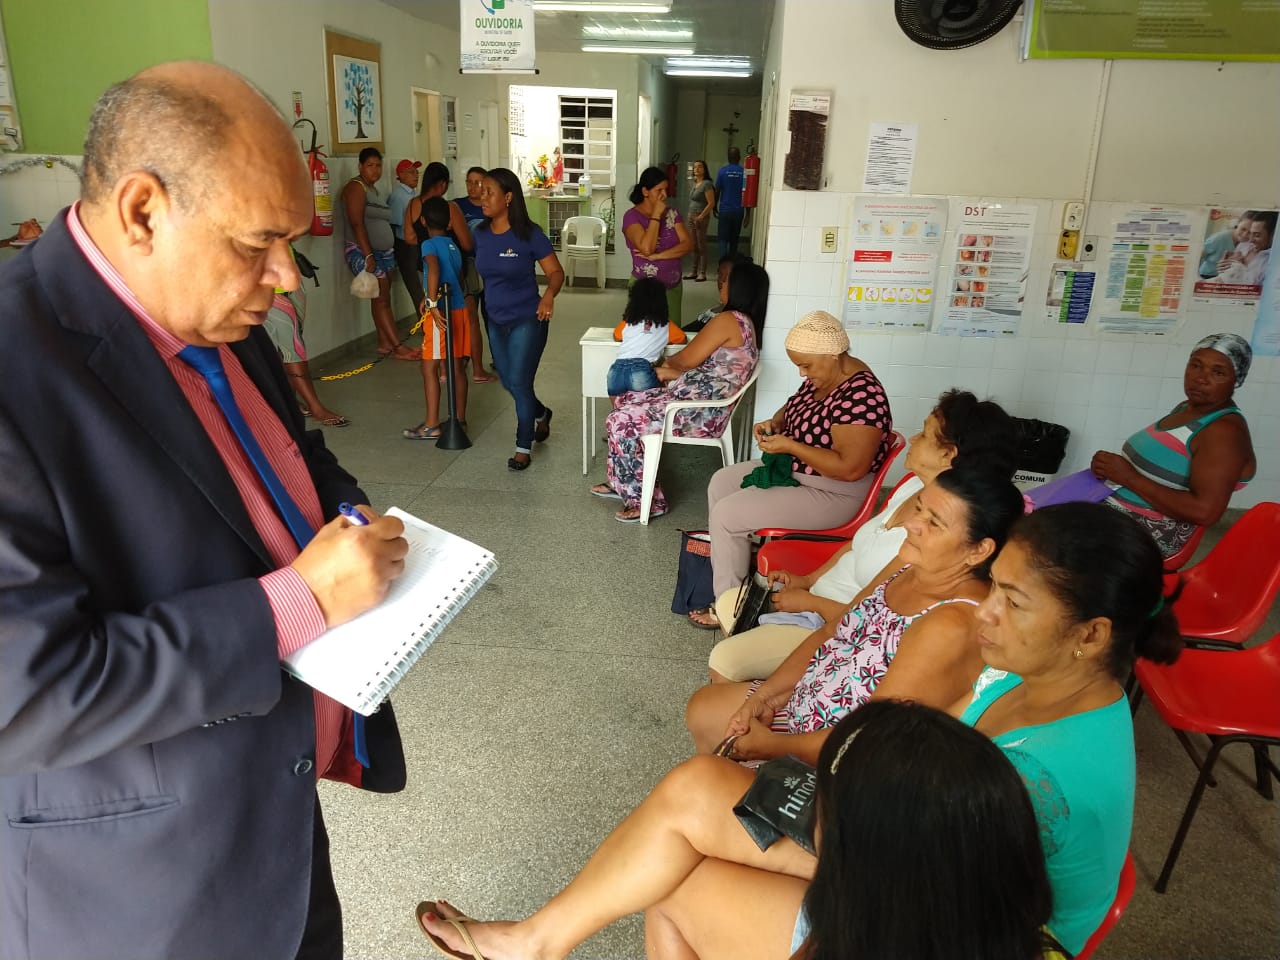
point(656, 237)
point(836, 429)
point(715, 364)
point(910, 636)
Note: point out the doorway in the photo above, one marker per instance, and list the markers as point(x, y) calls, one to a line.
point(428, 126)
point(644, 134)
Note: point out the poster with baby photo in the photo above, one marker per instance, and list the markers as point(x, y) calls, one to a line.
point(1233, 260)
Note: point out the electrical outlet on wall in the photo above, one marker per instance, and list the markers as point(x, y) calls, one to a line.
point(1089, 248)
point(830, 239)
point(1073, 215)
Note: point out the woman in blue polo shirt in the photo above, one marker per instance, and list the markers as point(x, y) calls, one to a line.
point(508, 248)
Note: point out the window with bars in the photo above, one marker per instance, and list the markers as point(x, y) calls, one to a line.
point(586, 139)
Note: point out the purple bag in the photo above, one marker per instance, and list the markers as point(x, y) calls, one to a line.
point(1080, 487)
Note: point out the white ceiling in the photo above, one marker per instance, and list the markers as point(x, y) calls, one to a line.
point(720, 27)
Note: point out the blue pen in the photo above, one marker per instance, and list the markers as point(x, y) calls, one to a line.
point(352, 514)
point(357, 721)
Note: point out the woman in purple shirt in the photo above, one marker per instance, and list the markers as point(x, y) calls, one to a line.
point(656, 237)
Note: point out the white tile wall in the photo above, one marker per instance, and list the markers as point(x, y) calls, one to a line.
point(38, 191)
point(1102, 387)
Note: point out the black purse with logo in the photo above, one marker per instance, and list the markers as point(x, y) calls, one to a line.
point(780, 803)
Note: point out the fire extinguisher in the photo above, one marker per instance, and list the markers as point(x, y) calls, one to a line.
point(322, 214)
point(673, 175)
point(751, 177)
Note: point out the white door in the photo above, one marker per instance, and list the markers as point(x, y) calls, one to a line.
point(488, 134)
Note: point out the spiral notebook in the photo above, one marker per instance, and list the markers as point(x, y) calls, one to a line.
point(360, 662)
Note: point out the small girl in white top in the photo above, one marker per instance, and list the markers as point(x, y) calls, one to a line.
point(645, 333)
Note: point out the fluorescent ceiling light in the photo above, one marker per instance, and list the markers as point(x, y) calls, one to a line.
point(695, 72)
point(586, 6)
point(599, 31)
point(713, 63)
point(642, 49)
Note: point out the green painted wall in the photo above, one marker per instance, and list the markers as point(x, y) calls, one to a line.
point(64, 53)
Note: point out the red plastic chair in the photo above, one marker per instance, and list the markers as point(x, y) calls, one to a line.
point(846, 530)
point(1229, 696)
point(1227, 595)
point(799, 554)
point(1124, 893)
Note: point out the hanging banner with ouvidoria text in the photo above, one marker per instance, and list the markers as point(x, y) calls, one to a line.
point(497, 36)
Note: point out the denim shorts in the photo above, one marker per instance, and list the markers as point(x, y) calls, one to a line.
point(631, 374)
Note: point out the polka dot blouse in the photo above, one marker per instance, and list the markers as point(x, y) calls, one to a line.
point(858, 401)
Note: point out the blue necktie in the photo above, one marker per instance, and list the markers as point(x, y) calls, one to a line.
point(206, 362)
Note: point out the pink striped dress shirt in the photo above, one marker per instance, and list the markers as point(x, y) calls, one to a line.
point(297, 615)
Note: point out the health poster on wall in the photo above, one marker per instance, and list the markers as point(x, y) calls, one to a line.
point(989, 264)
point(1146, 270)
point(1233, 260)
point(893, 268)
point(1266, 328)
point(1070, 292)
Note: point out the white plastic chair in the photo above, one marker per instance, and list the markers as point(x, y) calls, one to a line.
point(582, 240)
point(653, 441)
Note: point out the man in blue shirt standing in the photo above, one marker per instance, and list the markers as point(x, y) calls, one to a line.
point(406, 189)
point(729, 180)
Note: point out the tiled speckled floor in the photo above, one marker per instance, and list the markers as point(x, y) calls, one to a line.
point(555, 701)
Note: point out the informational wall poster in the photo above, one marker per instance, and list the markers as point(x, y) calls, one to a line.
point(989, 265)
point(497, 36)
point(1234, 257)
point(1070, 292)
point(893, 269)
point(891, 156)
point(1146, 270)
point(1163, 29)
point(1266, 328)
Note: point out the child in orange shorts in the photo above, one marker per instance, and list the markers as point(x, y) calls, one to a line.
point(442, 266)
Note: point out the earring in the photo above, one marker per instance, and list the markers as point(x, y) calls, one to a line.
point(1079, 654)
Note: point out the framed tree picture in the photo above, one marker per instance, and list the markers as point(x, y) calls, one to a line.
point(355, 93)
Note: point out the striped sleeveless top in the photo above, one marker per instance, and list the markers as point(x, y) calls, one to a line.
point(1165, 456)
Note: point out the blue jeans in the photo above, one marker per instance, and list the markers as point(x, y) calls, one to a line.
point(729, 231)
point(517, 349)
point(631, 374)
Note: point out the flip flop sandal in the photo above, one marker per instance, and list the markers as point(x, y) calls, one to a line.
point(708, 612)
point(484, 378)
point(542, 427)
point(305, 411)
point(337, 420)
point(690, 276)
point(459, 923)
point(421, 432)
point(607, 493)
point(636, 519)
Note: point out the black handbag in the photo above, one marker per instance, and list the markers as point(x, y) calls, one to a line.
point(780, 803)
point(693, 574)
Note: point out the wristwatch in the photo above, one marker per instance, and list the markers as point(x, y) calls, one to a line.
point(431, 304)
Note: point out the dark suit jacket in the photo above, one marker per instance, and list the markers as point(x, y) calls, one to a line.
point(131, 620)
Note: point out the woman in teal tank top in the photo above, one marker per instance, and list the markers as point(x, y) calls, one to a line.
point(1075, 596)
point(1178, 474)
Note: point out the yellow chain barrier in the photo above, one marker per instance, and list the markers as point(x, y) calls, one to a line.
point(369, 366)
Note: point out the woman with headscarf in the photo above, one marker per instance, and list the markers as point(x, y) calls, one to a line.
point(1178, 474)
point(820, 453)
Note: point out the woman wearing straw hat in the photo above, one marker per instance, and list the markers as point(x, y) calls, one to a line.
point(835, 431)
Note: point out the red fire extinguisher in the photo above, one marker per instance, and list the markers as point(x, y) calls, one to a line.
point(322, 214)
point(751, 178)
point(673, 175)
